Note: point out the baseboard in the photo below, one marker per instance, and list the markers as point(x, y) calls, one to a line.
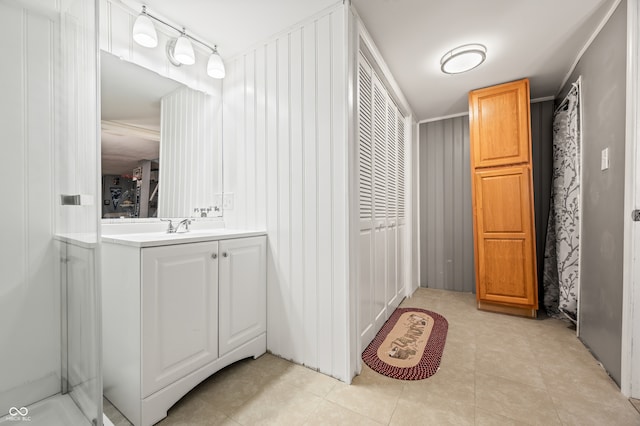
point(506, 309)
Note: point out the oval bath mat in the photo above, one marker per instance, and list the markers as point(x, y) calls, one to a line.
point(409, 345)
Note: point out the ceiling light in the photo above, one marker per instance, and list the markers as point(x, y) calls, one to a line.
point(179, 50)
point(463, 58)
point(144, 33)
point(215, 66)
point(183, 50)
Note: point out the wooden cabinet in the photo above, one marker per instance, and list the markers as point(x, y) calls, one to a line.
point(175, 314)
point(500, 125)
point(502, 192)
point(179, 312)
point(243, 313)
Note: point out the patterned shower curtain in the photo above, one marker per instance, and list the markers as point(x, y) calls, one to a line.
point(561, 257)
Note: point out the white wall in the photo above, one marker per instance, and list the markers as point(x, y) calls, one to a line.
point(29, 284)
point(285, 161)
point(190, 151)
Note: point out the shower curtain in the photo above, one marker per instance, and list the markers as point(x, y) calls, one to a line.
point(561, 279)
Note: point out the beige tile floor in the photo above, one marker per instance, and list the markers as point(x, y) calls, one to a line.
point(496, 370)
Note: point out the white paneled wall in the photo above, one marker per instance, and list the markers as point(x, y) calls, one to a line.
point(190, 152)
point(116, 25)
point(29, 286)
point(285, 136)
point(76, 146)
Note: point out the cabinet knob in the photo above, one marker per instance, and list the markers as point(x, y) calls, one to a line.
point(225, 254)
point(214, 256)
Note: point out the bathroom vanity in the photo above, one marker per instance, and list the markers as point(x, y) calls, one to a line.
point(176, 309)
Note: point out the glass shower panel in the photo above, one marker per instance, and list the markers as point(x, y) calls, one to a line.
point(50, 331)
point(78, 214)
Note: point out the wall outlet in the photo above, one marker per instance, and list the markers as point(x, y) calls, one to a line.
point(604, 159)
point(227, 201)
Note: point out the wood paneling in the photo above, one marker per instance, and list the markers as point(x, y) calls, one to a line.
point(285, 162)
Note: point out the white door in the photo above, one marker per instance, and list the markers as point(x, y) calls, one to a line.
point(380, 200)
point(366, 295)
point(243, 291)
point(179, 312)
point(392, 206)
point(401, 230)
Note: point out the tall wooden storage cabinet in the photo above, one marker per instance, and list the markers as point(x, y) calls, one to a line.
point(502, 194)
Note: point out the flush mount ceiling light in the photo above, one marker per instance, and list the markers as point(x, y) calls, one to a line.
point(463, 58)
point(179, 50)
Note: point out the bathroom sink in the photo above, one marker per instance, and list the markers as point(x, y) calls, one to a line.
point(160, 238)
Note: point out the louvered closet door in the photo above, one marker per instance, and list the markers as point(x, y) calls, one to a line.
point(366, 313)
point(392, 204)
point(401, 231)
point(380, 199)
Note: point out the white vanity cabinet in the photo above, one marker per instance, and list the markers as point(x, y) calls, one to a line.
point(243, 291)
point(175, 312)
point(179, 312)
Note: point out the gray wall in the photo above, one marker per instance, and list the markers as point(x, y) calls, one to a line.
point(603, 68)
point(542, 153)
point(446, 227)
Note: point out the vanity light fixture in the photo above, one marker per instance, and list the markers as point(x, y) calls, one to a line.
point(180, 49)
point(463, 58)
point(144, 33)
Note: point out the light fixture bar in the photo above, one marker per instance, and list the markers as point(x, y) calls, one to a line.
point(178, 30)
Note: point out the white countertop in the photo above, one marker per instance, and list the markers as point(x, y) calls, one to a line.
point(161, 238)
point(85, 240)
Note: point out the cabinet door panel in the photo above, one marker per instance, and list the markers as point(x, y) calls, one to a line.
point(243, 291)
point(504, 232)
point(179, 312)
point(499, 124)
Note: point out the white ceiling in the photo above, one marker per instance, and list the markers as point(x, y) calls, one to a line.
point(234, 25)
point(539, 39)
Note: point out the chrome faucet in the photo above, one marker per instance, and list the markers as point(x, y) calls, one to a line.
point(174, 229)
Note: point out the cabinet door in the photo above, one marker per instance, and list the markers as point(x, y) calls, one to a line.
point(243, 291)
point(499, 125)
point(179, 312)
point(504, 237)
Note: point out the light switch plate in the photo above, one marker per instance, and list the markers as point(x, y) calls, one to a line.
point(227, 201)
point(604, 159)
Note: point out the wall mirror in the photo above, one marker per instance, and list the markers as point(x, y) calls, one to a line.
point(161, 151)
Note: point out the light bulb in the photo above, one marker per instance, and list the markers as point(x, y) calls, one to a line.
point(183, 51)
point(215, 66)
point(144, 33)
